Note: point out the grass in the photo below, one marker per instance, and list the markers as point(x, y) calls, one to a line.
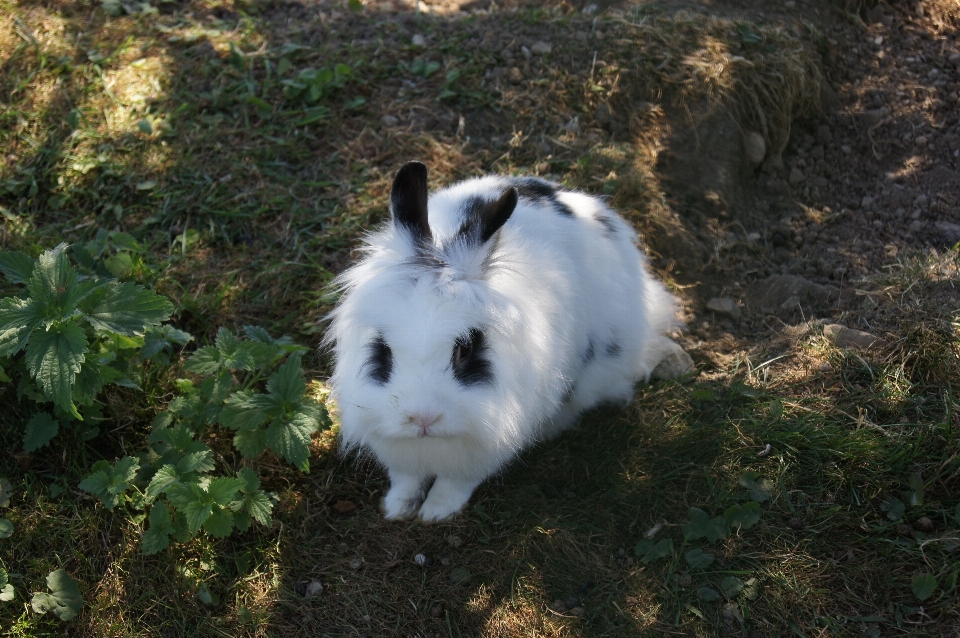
point(146, 123)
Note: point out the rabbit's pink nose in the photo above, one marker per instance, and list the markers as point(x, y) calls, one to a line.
point(423, 421)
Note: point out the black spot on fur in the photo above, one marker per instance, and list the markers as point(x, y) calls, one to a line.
point(541, 191)
point(379, 360)
point(468, 360)
point(589, 353)
point(609, 228)
point(614, 349)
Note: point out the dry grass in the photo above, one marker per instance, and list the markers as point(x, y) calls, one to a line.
point(250, 214)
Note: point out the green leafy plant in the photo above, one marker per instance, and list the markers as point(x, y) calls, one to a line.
point(64, 600)
point(180, 482)
point(648, 551)
point(702, 526)
point(66, 337)
point(311, 85)
point(6, 589)
point(923, 586)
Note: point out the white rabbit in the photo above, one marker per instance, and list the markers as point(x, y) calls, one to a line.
point(482, 320)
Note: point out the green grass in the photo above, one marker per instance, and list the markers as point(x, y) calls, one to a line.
point(246, 213)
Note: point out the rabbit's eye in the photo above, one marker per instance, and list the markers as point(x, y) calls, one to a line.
point(470, 367)
point(461, 352)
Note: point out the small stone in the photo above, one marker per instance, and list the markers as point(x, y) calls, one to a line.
point(824, 136)
point(903, 529)
point(844, 337)
point(866, 202)
point(825, 367)
point(356, 563)
point(795, 523)
point(724, 306)
point(754, 237)
point(685, 580)
point(540, 47)
point(921, 202)
point(674, 365)
point(796, 176)
point(515, 75)
point(314, 588)
point(454, 541)
point(526, 52)
point(577, 611)
point(420, 560)
point(847, 149)
point(873, 117)
point(558, 606)
point(755, 147)
point(419, 41)
point(773, 163)
point(389, 120)
point(792, 304)
point(949, 231)
point(916, 226)
point(923, 524)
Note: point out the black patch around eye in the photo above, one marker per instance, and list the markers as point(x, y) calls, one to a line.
point(614, 349)
point(379, 360)
point(468, 360)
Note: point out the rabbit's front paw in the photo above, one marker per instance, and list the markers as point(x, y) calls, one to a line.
point(404, 497)
point(446, 498)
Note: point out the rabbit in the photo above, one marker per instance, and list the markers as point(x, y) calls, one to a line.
point(482, 319)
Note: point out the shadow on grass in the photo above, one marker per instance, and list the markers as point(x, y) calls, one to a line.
point(250, 209)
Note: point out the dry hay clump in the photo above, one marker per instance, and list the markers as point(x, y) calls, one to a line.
point(767, 75)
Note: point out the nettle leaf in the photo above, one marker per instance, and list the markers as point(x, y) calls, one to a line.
point(287, 382)
point(923, 586)
point(702, 526)
point(743, 516)
point(108, 482)
point(220, 522)
point(64, 600)
point(250, 443)
point(894, 508)
point(215, 389)
point(204, 361)
point(162, 338)
point(698, 559)
point(164, 478)
point(760, 488)
point(126, 308)
point(18, 319)
point(6, 528)
point(157, 536)
point(242, 412)
point(223, 489)
point(54, 357)
point(53, 281)
point(290, 439)
point(648, 551)
point(41, 428)
point(16, 266)
point(233, 355)
point(255, 502)
point(200, 461)
point(6, 589)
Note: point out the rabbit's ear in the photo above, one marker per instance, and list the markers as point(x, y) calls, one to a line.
point(496, 214)
point(483, 218)
point(408, 200)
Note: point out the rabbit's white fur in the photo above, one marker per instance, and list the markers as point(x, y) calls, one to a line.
point(570, 318)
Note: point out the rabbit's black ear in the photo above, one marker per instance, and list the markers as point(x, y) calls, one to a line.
point(408, 200)
point(495, 214)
